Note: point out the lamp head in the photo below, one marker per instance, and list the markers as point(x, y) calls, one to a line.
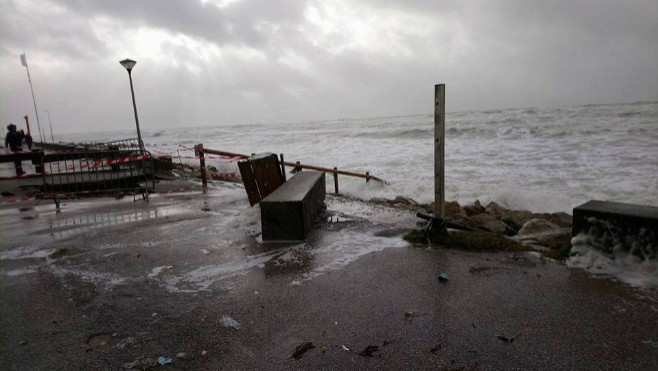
point(128, 64)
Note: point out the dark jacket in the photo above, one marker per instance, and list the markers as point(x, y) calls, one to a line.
point(14, 140)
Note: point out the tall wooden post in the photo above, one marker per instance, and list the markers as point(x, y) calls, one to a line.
point(439, 150)
point(202, 163)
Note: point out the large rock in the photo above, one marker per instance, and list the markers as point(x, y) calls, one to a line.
point(496, 210)
point(537, 226)
point(490, 223)
point(463, 220)
point(516, 218)
point(474, 209)
point(453, 208)
point(560, 219)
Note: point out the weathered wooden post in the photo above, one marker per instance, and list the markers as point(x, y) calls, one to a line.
point(439, 150)
point(283, 167)
point(336, 180)
point(202, 162)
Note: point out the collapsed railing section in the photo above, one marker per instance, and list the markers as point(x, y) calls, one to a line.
point(200, 151)
point(97, 171)
point(120, 144)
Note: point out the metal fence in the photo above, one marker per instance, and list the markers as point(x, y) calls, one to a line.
point(97, 171)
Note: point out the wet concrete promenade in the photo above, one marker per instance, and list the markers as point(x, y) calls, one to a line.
point(116, 284)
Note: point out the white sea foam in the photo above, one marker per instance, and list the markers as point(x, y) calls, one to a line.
point(619, 263)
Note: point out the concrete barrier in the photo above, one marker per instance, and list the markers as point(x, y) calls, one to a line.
point(613, 225)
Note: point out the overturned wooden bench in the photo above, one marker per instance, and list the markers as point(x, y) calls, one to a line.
point(288, 208)
point(289, 212)
point(612, 225)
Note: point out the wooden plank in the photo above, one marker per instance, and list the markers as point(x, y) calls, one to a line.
point(439, 150)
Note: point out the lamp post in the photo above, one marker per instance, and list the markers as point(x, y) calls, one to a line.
point(51, 126)
point(128, 65)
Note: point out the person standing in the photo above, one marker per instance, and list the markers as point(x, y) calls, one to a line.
point(14, 140)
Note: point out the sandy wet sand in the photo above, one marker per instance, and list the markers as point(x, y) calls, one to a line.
point(115, 284)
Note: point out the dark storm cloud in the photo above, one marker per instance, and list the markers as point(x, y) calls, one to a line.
point(315, 59)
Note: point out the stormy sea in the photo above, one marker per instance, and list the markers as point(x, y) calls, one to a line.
point(538, 159)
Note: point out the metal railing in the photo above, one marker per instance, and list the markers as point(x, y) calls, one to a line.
point(96, 171)
point(297, 166)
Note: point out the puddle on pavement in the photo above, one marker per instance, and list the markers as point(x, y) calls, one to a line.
point(69, 227)
point(102, 342)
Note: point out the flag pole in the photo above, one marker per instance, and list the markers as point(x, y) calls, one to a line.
point(36, 112)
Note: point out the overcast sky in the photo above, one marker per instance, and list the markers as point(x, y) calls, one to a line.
point(213, 62)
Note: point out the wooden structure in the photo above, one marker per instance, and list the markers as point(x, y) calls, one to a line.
point(439, 150)
point(261, 175)
point(288, 213)
point(297, 166)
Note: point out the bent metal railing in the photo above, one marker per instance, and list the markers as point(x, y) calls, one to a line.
point(297, 166)
point(97, 172)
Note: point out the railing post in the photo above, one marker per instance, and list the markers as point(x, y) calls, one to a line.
point(283, 167)
point(202, 161)
point(367, 176)
point(336, 179)
point(297, 167)
point(439, 150)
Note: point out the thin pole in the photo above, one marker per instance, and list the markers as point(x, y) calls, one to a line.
point(132, 91)
point(51, 126)
point(439, 150)
point(33, 100)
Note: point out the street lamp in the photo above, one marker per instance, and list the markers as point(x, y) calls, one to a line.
point(128, 65)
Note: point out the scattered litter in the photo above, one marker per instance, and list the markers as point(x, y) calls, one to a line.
point(141, 363)
point(129, 341)
point(324, 349)
point(164, 360)
point(7, 194)
point(302, 348)
point(474, 269)
point(203, 352)
point(435, 349)
point(369, 351)
point(154, 314)
point(410, 315)
point(443, 277)
point(230, 322)
point(23, 343)
point(345, 348)
point(510, 339)
point(181, 355)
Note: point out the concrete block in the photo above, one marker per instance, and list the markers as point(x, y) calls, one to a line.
point(288, 213)
point(613, 225)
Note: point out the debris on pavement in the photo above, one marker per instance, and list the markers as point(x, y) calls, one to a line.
point(409, 315)
point(164, 360)
point(345, 348)
point(230, 322)
point(181, 355)
point(24, 342)
point(302, 348)
point(435, 349)
point(443, 277)
point(140, 363)
point(369, 351)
